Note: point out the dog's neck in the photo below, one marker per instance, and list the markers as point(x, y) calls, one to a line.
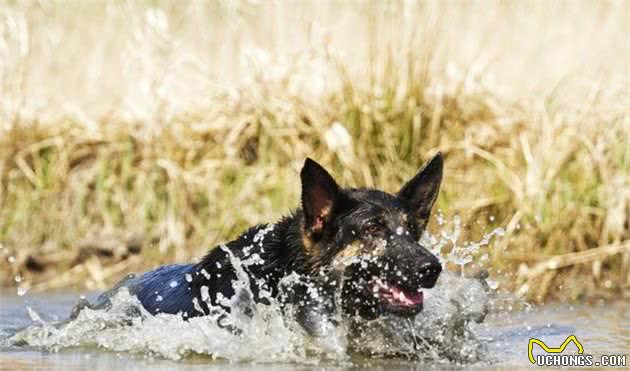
point(281, 247)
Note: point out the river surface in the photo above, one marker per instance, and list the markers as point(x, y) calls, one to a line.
point(502, 338)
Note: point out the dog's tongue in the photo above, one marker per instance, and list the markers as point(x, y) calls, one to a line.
point(396, 296)
point(407, 298)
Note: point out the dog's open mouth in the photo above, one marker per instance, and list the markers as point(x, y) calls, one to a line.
point(396, 298)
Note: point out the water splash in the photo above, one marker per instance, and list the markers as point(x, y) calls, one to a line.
point(21, 291)
point(442, 332)
point(461, 252)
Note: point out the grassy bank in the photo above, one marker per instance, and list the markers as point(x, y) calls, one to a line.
point(162, 156)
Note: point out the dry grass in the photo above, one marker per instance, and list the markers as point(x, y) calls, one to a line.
point(136, 134)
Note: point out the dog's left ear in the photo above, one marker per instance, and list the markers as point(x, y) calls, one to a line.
point(320, 194)
point(422, 190)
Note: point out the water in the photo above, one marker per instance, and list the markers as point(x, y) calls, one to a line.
point(100, 341)
point(464, 323)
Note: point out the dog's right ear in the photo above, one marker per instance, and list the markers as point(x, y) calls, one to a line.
point(320, 194)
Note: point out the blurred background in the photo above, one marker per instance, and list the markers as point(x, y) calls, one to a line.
point(138, 133)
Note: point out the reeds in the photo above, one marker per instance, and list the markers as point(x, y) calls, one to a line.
point(140, 134)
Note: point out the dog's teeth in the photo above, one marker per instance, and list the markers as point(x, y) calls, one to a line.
point(402, 297)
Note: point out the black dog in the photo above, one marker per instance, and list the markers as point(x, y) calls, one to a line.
point(361, 244)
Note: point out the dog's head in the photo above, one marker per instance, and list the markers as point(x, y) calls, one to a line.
point(369, 239)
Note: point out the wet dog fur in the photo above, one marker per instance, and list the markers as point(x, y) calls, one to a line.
point(359, 242)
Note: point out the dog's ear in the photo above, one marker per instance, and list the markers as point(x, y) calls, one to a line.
point(422, 190)
point(320, 193)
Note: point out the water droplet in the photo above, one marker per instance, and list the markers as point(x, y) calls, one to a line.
point(205, 293)
point(33, 315)
point(21, 291)
point(608, 284)
point(205, 274)
point(173, 284)
point(11, 259)
point(18, 278)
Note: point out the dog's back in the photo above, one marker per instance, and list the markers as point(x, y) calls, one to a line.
point(163, 290)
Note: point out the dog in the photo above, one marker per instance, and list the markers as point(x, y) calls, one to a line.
point(358, 245)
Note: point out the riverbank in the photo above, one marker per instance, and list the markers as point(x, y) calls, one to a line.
point(99, 180)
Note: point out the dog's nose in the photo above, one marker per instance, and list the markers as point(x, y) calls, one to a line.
point(428, 273)
point(417, 273)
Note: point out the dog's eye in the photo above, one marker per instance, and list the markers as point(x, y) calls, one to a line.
point(371, 229)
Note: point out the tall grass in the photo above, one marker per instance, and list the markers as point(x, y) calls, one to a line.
point(136, 134)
